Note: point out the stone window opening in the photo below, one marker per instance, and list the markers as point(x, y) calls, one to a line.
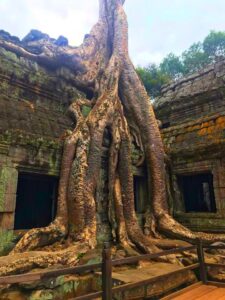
point(197, 192)
point(35, 201)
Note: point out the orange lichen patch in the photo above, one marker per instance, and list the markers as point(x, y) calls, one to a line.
point(202, 131)
point(221, 121)
point(205, 133)
point(214, 128)
point(207, 124)
point(211, 123)
point(204, 124)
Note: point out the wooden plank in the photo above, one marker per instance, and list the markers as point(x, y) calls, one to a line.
point(42, 275)
point(201, 258)
point(178, 293)
point(215, 265)
point(71, 270)
point(128, 286)
point(214, 247)
point(88, 296)
point(134, 259)
point(214, 295)
point(215, 283)
point(19, 278)
point(106, 273)
point(196, 292)
point(222, 297)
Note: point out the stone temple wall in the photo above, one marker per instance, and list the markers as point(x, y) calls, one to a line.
point(200, 94)
point(33, 122)
point(192, 113)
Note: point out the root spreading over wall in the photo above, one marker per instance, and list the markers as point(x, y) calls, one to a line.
point(120, 103)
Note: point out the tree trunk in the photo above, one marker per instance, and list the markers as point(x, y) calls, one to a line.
point(120, 104)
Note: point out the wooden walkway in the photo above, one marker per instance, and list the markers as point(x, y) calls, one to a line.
point(204, 289)
point(198, 292)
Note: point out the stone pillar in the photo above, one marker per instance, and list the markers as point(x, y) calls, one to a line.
point(8, 187)
point(219, 186)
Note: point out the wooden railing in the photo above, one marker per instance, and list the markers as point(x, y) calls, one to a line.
point(106, 267)
point(204, 266)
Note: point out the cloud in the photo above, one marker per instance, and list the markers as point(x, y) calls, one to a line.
point(70, 18)
point(145, 57)
point(160, 27)
point(156, 28)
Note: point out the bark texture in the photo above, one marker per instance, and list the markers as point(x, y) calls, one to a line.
point(121, 105)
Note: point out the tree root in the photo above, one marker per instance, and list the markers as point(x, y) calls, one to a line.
point(39, 237)
point(120, 104)
point(23, 262)
point(172, 228)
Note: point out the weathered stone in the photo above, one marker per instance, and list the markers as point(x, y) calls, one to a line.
point(194, 111)
point(7, 220)
point(8, 186)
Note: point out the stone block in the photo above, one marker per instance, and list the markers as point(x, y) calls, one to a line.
point(10, 203)
point(222, 194)
point(8, 187)
point(4, 148)
point(220, 176)
point(6, 220)
point(3, 159)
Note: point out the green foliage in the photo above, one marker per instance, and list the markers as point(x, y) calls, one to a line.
point(67, 287)
point(7, 241)
point(214, 44)
point(85, 110)
point(194, 58)
point(80, 255)
point(153, 78)
point(173, 67)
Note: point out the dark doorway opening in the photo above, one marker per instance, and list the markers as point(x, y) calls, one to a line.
point(36, 200)
point(140, 194)
point(198, 192)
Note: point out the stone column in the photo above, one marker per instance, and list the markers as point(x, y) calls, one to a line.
point(8, 187)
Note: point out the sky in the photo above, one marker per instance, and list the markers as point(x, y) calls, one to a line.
point(156, 28)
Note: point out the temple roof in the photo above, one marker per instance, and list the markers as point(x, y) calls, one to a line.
point(200, 94)
point(192, 112)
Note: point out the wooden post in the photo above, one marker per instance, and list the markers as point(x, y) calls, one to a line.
point(106, 272)
point(203, 271)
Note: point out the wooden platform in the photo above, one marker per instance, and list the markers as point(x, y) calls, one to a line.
point(157, 277)
point(198, 292)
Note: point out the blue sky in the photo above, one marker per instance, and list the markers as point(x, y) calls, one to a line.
point(156, 28)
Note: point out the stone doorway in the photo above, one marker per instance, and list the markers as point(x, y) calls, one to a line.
point(36, 200)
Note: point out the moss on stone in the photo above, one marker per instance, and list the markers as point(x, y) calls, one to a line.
point(5, 178)
point(85, 110)
point(7, 241)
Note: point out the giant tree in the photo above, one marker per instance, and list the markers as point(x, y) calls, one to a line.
point(119, 102)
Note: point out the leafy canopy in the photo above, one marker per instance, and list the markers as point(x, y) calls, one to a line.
point(173, 67)
point(153, 78)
